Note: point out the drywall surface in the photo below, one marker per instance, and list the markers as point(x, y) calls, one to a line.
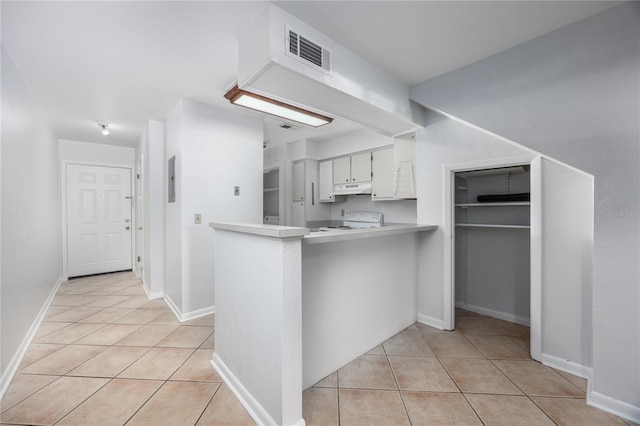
point(572, 94)
point(215, 151)
point(96, 153)
point(30, 213)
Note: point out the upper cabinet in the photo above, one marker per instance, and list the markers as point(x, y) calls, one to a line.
point(298, 181)
point(382, 182)
point(325, 181)
point(353, 169)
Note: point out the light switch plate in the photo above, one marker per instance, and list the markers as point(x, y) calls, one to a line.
point(236, 190)
point(197, 218)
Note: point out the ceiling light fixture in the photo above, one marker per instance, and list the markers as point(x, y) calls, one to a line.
point(105, 130)
point(260, 103)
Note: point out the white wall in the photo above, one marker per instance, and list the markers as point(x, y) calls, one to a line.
point(151, 150)
point(30, 253)
point(215, 151)
point(573, 94)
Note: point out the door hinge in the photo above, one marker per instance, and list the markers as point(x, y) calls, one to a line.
point(138, 258)
point(138, 176)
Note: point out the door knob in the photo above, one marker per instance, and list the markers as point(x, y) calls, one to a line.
point(140, 228)
point(127, 227)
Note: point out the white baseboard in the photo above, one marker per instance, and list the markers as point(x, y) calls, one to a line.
point(253, 407)
point(567, 366)
point(182, 317)
point(613, 406)
point(433, 322)
point(14, 364)
point(151, 296)
point(495, 314)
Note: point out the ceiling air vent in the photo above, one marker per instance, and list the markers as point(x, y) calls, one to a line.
point(310, 52)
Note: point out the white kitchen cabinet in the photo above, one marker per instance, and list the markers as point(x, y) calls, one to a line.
point(341, 170)
point(299, 217)
point(382, 181)
point(298, 176)
point(361, 167)
point(325, 181)
point(353, 169)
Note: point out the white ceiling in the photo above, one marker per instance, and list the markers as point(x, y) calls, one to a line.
point(126, 62)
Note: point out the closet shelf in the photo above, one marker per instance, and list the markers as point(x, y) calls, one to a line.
point(510, 203)
point(271, 189)
point(491, 225)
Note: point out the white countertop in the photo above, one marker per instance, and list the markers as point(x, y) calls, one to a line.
point(308, 237)
point(352, 234)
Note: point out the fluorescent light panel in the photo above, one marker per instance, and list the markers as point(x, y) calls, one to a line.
point(277, 108)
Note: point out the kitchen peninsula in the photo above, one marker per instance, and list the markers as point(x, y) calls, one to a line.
point(292, 305)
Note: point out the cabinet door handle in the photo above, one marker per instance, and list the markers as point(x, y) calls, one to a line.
point(313, 195)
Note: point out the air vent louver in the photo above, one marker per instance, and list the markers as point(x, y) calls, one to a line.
point(311, 52)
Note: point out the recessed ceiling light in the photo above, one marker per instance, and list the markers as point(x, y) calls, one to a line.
point(260, 103)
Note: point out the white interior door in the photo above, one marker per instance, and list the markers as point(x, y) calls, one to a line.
point(98, 219)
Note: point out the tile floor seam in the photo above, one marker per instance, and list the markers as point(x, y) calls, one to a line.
point(146, 400)
point(82, 402)
point(207, 405)
point(542, 409)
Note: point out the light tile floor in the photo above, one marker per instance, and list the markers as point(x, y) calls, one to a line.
point(106, 355)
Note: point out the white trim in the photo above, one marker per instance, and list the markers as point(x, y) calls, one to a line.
point(430, 321)
point(535, 249)
point(567, 366)
point(614, 406)
point(151, 296)
point(199, 313)
point(495, 314)
point(14, 364)
point(63, 206)
point(253, 407)
point(182, 317)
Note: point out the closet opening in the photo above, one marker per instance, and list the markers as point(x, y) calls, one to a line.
point(492, 251)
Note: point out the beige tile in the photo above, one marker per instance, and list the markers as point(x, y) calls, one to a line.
point(536, 379)
point(74, 314)
point(476, 325)
point(75, 289)
point(320, 407)
point(367, 372)
point(109, 363)
point(55, 311)
point(37, 351)
point(578, 381)
point(205, 320)
point(225, 410)
point(198, 368)
point(499, 347)
point(146, 335)
point(186, 337)
point(409, 344)
point(479, 375)
point(107, 315)
point(209, 343)
point(509, 328)
point(507, 410)
point(72, 300)
point(378, 350)
point(421, 373)
point(166, 318)
point(114, 404)
point(452, 346)
point(175, 403)
point(155, 304)
point(523, 342)
point(108, 335)
point(569, 411)
point(23, 386)
point(158, 363)
point(427, 329)
point(331, 381)
point(103, 291)
point(70, 333)
point(133, 302)
point(129, 291)
point(430, 408)
point(139, 316)
point(463, 313)
point(48, 327)
point(372, 407)
point(64, 360)
point(107, 301)
point(411, 329)
point(51, 403)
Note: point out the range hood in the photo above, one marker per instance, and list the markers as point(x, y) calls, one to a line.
point(352, 188)
point(285, 59)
